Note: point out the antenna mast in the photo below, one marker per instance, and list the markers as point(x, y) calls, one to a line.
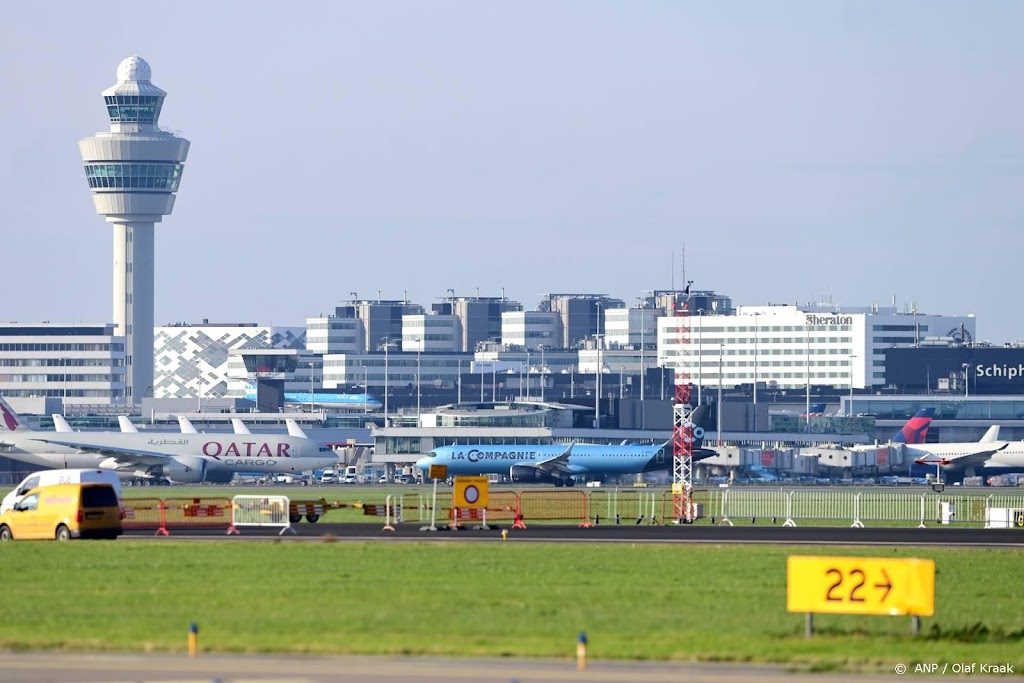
point(682, 413)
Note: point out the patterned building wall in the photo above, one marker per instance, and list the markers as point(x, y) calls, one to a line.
point(192, 361)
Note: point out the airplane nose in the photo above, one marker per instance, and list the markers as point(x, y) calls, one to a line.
point(425, 462)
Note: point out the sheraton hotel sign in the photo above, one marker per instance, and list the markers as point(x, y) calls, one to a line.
point(812, 319)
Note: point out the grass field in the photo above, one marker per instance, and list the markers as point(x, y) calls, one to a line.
point(501, 599)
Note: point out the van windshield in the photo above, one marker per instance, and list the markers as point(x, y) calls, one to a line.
point(99, 497)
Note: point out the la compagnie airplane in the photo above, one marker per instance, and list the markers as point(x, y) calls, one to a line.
point(186, 458)
point(558, 464)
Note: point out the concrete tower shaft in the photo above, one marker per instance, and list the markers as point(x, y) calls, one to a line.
point(133, 172)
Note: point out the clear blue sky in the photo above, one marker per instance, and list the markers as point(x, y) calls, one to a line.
point(860, 150)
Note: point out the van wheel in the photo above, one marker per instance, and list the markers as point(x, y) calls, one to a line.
point(63, 533)
point(5, 533)
point(312, 519)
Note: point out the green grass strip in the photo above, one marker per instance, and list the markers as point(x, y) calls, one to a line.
point(662, 602)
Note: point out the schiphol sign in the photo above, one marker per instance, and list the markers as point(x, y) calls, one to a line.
point(813, 319)
point(999, 371)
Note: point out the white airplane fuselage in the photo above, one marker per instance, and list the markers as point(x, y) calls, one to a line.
point(219, 452)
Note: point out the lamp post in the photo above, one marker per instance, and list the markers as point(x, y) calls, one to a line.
point(850, 410)
point(386, 343)
point(199, 391)
point(721, 381)
point(597, 387)
point(643, 366)
point(64, 401)
point(967, 381)
point(807, 373)
point(543, 372)
point(621, 368)
point(755, 370)
point(700, 359)
point(458, 381)
point(418, 344)
point(311, 387)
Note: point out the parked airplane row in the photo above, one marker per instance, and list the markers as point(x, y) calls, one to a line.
point(966, 457)
point(188, 457)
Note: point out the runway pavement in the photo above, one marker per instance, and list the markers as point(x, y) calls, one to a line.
point(51, 667)
point(630, 533)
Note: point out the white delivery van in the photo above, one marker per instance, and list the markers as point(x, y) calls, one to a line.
point(53, 477)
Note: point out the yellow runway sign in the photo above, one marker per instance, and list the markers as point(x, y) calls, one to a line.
point(470, 492)
point(860, 585)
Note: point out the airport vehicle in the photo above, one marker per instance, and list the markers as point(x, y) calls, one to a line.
point(328, 476)
point(64, 511)
point(349, 401)
point(182, 458)
point(53, 477)
point(559, 464)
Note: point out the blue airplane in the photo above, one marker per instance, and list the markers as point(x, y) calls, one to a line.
point(353, 401)
point(558, 464)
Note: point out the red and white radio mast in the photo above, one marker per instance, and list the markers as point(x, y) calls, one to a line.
point(682, 424)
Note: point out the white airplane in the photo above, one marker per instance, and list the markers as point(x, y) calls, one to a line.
point(182, 458)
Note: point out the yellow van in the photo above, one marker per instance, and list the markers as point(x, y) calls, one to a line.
point(64, 511)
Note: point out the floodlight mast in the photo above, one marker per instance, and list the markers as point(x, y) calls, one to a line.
point(682, 424)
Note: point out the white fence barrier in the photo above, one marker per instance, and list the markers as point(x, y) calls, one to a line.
point(875, 508)
point(262, 511)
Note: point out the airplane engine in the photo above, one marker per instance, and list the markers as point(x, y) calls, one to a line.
point(108, 464)
point(186, 469)
point(520, 474)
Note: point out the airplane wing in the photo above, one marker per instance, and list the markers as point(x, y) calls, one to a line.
point(976, 459)
point(557, 464)
point(123, 456)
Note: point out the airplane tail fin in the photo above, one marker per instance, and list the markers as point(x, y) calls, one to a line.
point(294, 429)
point(699, 418)
point(239, 427)
point(916, 428)
point(991, 435)
point(11, 421)
point(126, 425)
point(60, 424)
point(186, 425)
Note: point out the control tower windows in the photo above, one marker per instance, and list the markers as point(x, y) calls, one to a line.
point(134, 175)
point(133, 108)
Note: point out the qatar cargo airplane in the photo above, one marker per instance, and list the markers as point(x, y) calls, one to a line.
point(558, 464)
point(181, 458)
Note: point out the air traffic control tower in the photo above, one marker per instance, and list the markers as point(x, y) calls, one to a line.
point(133, 173)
